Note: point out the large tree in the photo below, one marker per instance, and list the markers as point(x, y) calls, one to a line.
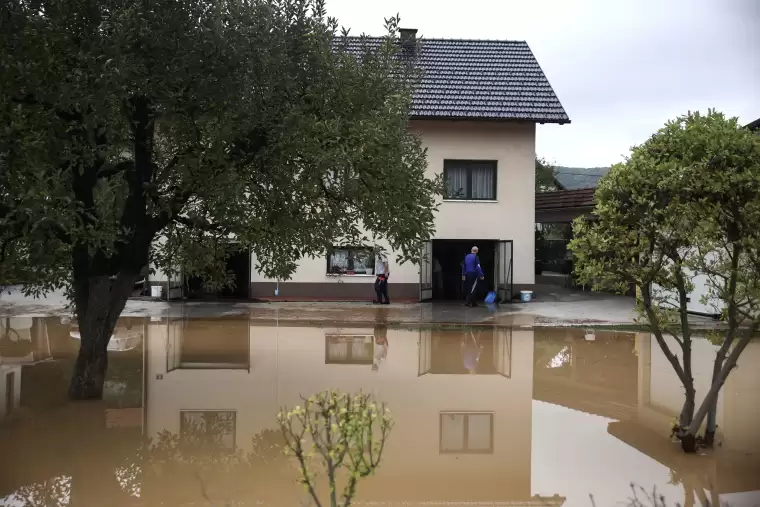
point(546, 180)
point(154, 131)
point(686, 203)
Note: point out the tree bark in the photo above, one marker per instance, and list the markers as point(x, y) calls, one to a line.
point(689, 437)
point(687, 411)
point(99, 303)
point(720, 357)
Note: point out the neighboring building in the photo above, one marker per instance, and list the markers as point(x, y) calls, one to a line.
point(702, 289)
point(476, 110)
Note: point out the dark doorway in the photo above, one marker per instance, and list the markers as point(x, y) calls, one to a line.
point(450, 253)
point(239, 264)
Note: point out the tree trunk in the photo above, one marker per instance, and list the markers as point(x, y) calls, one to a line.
point(689, 439)
point(99, 303)
point(712, 415)
point(687, 411)
point(92, 363)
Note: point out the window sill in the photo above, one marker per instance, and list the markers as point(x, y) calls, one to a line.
point(358, 275)
point(483, 201)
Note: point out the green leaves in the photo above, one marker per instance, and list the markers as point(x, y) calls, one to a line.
point(197, 123)
point(683, 197)
point(545, 181)
point(346, 433)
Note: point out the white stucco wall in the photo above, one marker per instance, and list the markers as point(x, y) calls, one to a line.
point(287, 362)
point(510, 217)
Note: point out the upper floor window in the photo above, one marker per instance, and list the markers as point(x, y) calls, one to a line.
point(470, 180)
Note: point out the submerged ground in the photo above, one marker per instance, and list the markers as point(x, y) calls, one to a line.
point(490, 408)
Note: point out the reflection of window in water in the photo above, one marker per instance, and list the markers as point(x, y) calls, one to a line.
point(349, 349)
point(208, 428)
point(487, 352)
point(16, 337)
point(562, 358)
point(466, 432)
point(209, 344)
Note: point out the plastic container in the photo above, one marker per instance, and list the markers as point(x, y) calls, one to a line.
point(155, 291)
point(526, 296)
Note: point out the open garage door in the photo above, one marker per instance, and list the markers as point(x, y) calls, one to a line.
point(504, 272)
point(426, 271)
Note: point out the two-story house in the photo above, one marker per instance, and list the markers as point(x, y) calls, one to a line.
point(476, 110)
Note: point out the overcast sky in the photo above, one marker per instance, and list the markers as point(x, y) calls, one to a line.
point(621, 68)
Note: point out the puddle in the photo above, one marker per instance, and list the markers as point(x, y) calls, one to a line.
point(483, 415)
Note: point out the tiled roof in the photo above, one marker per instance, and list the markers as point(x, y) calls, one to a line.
point(755, 125)
point(564, 199)
point(480, 80)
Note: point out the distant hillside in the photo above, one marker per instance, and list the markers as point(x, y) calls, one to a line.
point(573, 178)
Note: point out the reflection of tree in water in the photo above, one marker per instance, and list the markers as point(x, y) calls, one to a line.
point(11, 342)
point(696, 485)
point(208, 432)
point(171, 469)
point(200, 463)
point(53, 492)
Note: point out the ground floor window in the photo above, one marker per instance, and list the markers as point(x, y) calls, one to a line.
point(351, 261)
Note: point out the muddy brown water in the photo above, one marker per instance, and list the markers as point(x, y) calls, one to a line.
point(483, 415)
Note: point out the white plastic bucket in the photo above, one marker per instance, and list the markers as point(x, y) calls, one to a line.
point(155, 291)
point(526, 296)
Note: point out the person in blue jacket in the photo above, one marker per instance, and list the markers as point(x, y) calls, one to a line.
point(471, 274)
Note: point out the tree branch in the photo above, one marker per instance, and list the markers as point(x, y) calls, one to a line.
point(30, 100)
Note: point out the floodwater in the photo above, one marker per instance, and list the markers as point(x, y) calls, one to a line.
point(483, 415)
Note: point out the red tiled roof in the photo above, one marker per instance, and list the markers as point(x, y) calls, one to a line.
point(565, 199)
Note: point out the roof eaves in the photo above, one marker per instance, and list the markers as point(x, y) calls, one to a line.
point(490, 119)
point(550, 85)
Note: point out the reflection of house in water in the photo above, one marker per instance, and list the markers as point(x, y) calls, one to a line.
point(735, 466)
point(457, 437)
point(38, 346)
point(483, 351)
point(594, 373)
point(53, 441)
point(23, 341)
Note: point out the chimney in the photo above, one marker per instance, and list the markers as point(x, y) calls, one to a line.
point(408, 37)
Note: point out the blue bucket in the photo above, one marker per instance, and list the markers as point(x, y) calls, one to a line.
point(526, 296)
